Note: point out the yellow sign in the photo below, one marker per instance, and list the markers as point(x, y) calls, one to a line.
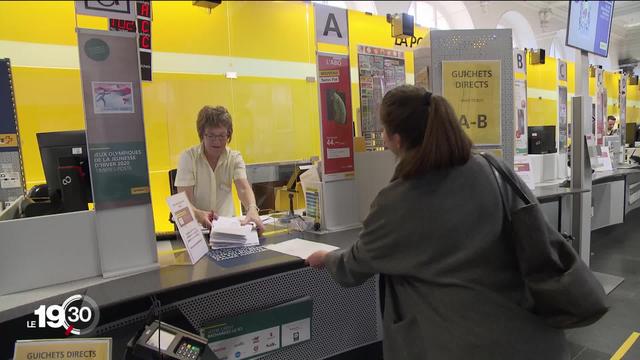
point(473, 89)
point(63, 349)
point(8, 140)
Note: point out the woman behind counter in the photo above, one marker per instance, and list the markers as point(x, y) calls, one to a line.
point(453, 289)
point(206, 171)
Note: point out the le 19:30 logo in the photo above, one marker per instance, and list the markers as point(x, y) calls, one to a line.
point(78, 315)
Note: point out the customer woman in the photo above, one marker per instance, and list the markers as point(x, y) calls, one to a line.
point(206, 171)
point(453, 289)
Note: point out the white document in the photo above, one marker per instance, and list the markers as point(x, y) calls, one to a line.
point(10, 180)
point(230, 226)
point(522, 167)
point(189, 228)
point(605, 160)
point(300, 248)
point(227, 232)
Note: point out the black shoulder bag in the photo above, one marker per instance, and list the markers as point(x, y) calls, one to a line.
point(564, 291)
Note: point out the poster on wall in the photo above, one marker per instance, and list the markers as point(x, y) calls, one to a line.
point(623, 107)
point(113, 115)
point(562, 120)
point(474, 90)
point(379, 70)
point(520, 102)
point(335, 112)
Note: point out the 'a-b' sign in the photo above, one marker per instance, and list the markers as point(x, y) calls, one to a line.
point(331, 25)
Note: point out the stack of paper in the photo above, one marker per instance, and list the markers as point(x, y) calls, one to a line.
point(227, 232)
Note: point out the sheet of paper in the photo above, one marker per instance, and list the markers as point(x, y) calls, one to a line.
point(189, 228)
point(231, 226)
point(522, 167)
point(300, 248)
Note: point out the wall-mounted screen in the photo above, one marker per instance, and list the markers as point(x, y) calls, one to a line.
point(589, 26)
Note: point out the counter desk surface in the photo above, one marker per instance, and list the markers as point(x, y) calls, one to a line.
point(173, 281)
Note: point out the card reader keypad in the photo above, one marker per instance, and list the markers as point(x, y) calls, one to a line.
point(188, 351)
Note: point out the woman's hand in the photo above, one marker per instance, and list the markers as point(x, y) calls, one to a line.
point(317, 259)
point(205, 217)
point(252, 216)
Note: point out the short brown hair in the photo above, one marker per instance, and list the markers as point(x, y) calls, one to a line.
point(214, 116)
point(427, 124)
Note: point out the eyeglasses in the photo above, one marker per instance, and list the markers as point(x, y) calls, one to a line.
point(215, 136)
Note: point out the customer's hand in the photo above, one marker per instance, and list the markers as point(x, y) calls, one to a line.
point(252, 216)
point(317, 259)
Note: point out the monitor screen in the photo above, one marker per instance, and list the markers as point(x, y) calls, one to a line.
point(589, 26)
point(64, 148)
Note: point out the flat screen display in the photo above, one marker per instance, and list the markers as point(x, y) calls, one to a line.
point(589, 26)
point(165, 339)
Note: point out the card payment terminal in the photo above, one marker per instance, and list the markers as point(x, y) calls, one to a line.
point(163, 341)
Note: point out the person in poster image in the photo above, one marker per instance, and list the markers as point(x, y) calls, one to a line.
point(452, 286)
point(207, 171)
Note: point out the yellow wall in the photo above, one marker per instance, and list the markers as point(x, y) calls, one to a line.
point(275, 117)
point(542, 92)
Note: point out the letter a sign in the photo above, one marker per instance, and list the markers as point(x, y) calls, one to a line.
point(331, 25)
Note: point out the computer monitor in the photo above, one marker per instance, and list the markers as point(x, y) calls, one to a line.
point(542, 139)
point(589, 26)
point(66, 168)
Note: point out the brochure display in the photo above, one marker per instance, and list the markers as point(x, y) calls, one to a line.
point(254, 334)
point(188, 227)
point(112, 96)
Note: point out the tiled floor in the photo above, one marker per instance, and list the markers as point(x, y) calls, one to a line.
point(614, 250)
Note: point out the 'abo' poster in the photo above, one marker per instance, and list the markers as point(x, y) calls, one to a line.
point(336, 115)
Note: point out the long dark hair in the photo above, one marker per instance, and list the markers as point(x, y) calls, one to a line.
point(432, 137)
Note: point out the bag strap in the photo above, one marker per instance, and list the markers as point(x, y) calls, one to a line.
point(507, 177)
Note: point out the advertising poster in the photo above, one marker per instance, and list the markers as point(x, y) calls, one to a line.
point(520, 102)
point(474, 90)
point(622, 101)
point(112, 97)
point(189, 228)
point(257, 333)
point(335, 111)
point(562, 120)
point(380, 70)
point(601, 107)
point(113, 115)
